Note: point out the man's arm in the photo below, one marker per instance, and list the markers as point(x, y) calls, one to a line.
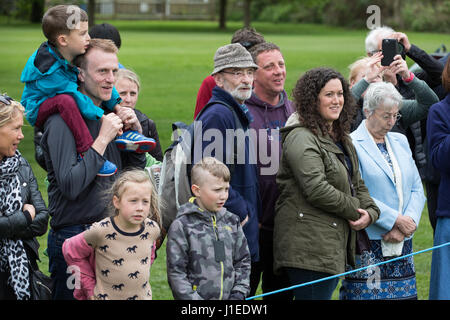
point(74, 176)
point(432, 68)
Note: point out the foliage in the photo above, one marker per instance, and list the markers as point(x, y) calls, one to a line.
point(31, 10)
point(418, 15)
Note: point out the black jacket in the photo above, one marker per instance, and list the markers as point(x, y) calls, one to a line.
point(19, 225)
point(76, 195)
point(431, 74)
point(149, 130)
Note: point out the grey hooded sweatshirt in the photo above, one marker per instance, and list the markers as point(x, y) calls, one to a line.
point(197, 267)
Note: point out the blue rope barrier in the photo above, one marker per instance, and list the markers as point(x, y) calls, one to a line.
point(346, 273)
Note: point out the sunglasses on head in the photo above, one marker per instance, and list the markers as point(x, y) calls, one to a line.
point(5, 99)
point(247, 44)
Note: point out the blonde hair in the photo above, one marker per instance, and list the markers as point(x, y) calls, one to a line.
point(136, 176)
point(211, 165)
point(129, 75)
point(9, 111)
point(104, 45)
point(356, 67)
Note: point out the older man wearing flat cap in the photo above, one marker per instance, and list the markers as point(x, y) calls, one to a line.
point(225, 113)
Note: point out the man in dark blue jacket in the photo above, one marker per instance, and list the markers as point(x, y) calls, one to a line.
point(225, 125)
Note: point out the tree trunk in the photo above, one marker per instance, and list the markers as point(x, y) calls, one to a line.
point(222, 14)
point(91, 13)
point(37, 11)
point(247, 17)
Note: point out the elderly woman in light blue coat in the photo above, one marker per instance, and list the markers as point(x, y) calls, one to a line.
point(390, 174)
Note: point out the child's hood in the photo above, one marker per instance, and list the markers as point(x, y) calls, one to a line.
point(43, 62)
point(192, 208)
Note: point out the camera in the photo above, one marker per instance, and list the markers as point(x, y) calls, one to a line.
point(390, 48)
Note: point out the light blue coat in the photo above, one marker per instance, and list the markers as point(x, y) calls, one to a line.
point(379, 179)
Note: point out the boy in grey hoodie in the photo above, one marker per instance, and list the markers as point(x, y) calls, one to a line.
point(207, 252)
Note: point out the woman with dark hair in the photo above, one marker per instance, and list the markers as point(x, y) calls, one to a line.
point(323, 200)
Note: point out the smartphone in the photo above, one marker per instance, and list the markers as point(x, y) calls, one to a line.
point(390, 48)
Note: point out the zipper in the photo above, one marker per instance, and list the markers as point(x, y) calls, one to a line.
point(216, 231)
point(43, 285)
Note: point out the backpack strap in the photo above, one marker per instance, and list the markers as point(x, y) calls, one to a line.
point(237, 123)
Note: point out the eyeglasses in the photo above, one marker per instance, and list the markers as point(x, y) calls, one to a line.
point(5, 99)
point(388, 116)
point(375, 51)
point(240, 73)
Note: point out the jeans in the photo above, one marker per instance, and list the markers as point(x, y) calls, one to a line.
point(62, 288)
point(440, 267)
point(319, 291)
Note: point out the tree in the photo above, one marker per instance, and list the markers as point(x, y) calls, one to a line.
point(91, 12)
point(37, 10)
point(247, 17)
point(222, 14)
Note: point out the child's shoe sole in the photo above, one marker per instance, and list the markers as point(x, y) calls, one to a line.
point(136, 146)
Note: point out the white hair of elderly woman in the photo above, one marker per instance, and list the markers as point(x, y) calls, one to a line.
point(381, 94)
point(375, 36)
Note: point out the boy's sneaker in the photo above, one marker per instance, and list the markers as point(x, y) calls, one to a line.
point(108, 168)
point(133, 141)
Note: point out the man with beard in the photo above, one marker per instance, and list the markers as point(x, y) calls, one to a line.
point(226, 113)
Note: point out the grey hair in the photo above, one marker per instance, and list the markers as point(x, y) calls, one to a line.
point(373, 38)
point(381, 93)
point(129, 75)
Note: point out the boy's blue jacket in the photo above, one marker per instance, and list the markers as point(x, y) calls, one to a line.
point(47, 74)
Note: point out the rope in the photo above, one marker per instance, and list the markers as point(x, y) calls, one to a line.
point(346, 273)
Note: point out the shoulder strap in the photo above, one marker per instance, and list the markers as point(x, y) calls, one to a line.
point(237, 121)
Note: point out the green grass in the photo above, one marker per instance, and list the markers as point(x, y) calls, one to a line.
point(172, 59)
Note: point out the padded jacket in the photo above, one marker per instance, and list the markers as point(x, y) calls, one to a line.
point(311, 229)
point(19, 225)
point(193, 271)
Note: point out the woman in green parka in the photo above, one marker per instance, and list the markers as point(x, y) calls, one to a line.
point(323, 201)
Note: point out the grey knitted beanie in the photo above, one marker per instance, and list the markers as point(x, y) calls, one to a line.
point(232, 56)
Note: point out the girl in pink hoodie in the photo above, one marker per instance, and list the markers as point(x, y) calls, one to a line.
point(112, 258)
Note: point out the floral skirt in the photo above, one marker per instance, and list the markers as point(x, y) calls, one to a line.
point(393, 280)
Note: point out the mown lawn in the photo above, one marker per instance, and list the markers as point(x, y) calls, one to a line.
point(172, 58)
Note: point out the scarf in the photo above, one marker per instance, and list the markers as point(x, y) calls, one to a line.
point(13, 258)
